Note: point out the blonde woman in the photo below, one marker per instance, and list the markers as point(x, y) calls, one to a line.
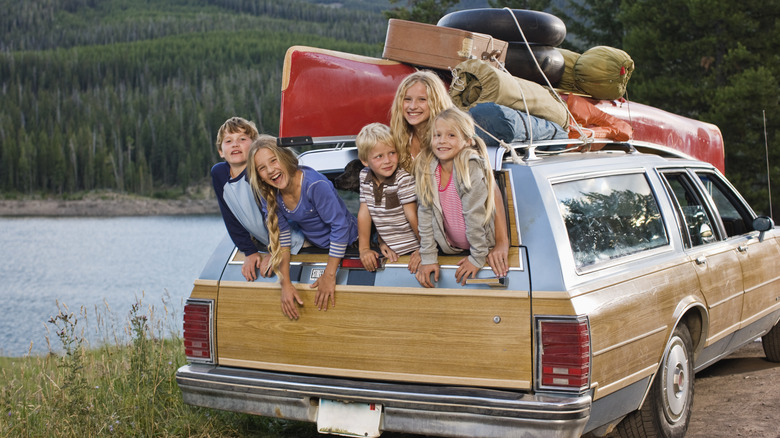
point(294, 193)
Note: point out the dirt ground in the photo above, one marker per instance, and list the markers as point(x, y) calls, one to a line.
point(739, 396)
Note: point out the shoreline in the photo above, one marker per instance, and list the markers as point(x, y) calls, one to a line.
point(113, 205)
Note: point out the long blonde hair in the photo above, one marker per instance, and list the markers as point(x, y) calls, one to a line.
point(425, 181)
point(438, 100)
point(263, 190)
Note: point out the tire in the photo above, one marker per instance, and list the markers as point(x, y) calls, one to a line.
point(538, 27)
point(667, 410)
point(520, 63)
point(771, 344)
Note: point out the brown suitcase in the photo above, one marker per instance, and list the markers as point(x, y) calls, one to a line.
point(428, 45)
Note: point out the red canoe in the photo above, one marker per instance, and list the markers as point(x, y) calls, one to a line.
point(326, 93)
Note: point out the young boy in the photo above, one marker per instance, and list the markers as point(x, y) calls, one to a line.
point(387, 198)
point(243, 217)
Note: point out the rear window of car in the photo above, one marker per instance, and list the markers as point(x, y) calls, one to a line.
point(610, 217)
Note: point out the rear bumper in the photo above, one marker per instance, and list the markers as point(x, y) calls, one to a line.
point(421, 409)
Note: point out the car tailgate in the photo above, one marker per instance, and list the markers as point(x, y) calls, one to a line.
point(383, 327)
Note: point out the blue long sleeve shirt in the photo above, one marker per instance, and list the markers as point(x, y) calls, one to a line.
point(321, 215)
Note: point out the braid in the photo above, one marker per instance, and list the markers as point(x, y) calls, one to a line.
point(267, 192)
point(272, 222)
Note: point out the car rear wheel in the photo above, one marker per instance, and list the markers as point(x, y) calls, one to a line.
point(771, 343)
point(667, 410)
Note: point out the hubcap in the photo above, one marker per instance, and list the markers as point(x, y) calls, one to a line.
point(675, 381)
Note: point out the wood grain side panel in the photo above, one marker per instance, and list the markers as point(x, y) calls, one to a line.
point(761, 272)
point(720, 279)
point(627, 341)
point(630, 319)
point(434, 337)
point(514, 238)
point(205, 289)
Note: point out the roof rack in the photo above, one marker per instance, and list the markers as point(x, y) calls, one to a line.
point(497, 154)
point(540, 149)
point(305, 143)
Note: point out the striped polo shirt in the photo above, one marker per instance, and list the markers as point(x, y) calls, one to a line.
point(385, 203)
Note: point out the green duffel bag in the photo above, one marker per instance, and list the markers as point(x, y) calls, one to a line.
point(567, 82)
point(603, 72)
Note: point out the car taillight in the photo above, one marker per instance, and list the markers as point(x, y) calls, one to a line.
point(351, 263)
point(563, 347)
point(197, 331)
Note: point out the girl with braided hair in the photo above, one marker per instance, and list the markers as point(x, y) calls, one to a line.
point(299, 194)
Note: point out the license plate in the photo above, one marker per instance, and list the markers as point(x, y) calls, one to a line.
point(349, 419)
point(316, 273)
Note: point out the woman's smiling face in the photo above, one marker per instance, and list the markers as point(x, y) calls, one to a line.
point(270, 169)
point(415, 104)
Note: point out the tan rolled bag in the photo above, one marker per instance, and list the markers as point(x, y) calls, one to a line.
point(475, 81)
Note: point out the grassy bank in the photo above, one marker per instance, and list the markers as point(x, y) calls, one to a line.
point(127, 388)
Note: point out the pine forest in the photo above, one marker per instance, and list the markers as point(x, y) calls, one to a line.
point(127, 95)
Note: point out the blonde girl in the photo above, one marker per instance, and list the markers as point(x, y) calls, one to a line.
point(455, 191)
point(299, 194)
point(418, 99)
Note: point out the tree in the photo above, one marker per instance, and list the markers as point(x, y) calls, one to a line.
point(536, 5)
point(592, 23)
point(421, 11)
point(712, 61)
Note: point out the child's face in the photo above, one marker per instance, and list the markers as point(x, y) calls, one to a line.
point(447, 141)
point(383, 160)
point(415, 105)
point(235, 148)
point(270, 169)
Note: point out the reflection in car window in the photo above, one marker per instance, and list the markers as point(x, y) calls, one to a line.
point(735, 217)
point(698, 224)
point(610, 217)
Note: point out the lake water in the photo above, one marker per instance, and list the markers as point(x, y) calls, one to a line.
point(103, 265)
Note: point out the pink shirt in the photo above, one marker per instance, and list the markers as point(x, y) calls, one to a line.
point(452, 212)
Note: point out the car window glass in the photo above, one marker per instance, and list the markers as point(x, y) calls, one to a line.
point(697, 222)
point(735, 217)
point(610, 217)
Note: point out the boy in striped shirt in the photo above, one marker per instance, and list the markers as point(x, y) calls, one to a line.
point(387, 199)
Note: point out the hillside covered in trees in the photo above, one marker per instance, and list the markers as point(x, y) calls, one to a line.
point(128, 94)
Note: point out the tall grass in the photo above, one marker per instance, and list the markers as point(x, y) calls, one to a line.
point(124, 387)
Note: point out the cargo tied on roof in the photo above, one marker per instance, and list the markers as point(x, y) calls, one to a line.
point(603, 72)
